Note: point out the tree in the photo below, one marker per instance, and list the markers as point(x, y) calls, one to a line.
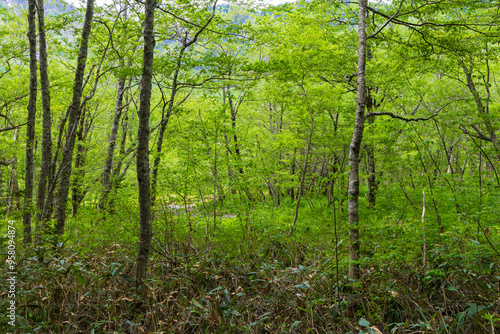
point(106, 177)
point(355, 147)
point(143, 146)
point(74, 112)
point(185, 41)
point(46, 172)
point(30, 128)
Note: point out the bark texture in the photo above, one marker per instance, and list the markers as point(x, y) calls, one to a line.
point(143, 146)
point(46, 172)
point(30, 126)
point(78, 192)
point(74, 115)
point(354, 148)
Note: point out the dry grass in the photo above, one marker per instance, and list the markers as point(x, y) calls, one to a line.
point(282, 288)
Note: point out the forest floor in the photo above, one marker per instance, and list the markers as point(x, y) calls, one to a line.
point(248, 276)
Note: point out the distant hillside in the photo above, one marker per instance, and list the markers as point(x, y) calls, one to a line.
point(52, 7)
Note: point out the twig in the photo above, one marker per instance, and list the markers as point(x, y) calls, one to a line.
point(423, 233)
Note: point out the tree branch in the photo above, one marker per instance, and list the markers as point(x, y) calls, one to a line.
point(385, 113)
point(386, 23)
point(479, 134)
point(12, 127)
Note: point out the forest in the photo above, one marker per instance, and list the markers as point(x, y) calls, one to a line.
point(195, 166)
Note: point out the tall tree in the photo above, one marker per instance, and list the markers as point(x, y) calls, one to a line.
point(355, 147)
point(73, 117)
point(143, 146)
point(185, 43)
point(30, 129)
point(108, 164)
point(46, 169)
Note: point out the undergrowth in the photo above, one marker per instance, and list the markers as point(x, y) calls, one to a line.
point(242, 273)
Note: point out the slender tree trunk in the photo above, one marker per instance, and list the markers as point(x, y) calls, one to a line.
point(46, 171)
point(156, 163)
point(424, 239)
point(304, 170)
point(234, 113)
point(372, 177)
point(483, 112)
point(13, 201)
point(116, 172)
point(163, 128)
point(170, 108)
point(77, 192)
point(354, 148)
point(30, 127)
point(371, 165)
point(108, 165)
point(291, 191)
point(302, 179)
point(370, 148)
point(230, 174)
point(48, 206)
point(143, 146)
point(74, 115)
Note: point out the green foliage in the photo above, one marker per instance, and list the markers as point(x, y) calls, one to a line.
point(238, 106)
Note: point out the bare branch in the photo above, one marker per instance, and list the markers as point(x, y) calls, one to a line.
point(386, 23)
point(12, 127)
point(478, 135)
point(385, 113)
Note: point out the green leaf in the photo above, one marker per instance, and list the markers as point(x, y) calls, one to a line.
point(258, 321)
point(198, 304)
point(116, 268)
point(80, 278)
point(363, 322)
point(216, 289)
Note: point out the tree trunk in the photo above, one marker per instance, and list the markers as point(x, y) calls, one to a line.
point(354, 148)
point(370, 157)
point(13, 201)
point(234, 113)
point(77, 192)
point(46, 172)
point(483, 112)
point(30, 127)
point(117, 173)
point(291, 190)
point(163, 127)
point(108, 165)
point(370, 148)
point(74, 115)
point(48, 206)
point(372, 178)
point(165, 118)
point(143, 146)
point(303, 176)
